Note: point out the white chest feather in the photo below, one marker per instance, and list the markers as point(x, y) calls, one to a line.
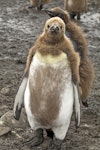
point(53, 79)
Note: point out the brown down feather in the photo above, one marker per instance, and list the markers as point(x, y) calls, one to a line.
point(35, 3)
point(86, 69)
point(46, 45)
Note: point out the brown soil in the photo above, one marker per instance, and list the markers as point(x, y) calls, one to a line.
point(19, 28)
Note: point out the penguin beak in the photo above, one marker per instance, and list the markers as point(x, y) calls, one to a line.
point(54, 29)
point(50, 13)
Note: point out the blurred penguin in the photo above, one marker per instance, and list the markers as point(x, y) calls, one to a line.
point(75, 7)
point(38, 3)
point(76, 35)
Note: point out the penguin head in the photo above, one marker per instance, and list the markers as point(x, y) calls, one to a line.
point(58, 12)
point(54, 28)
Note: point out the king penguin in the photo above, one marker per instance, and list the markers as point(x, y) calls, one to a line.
point(75, 7)
point(52, 86)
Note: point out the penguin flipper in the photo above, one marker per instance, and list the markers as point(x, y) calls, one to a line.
point(19, 99)
point(76, 104)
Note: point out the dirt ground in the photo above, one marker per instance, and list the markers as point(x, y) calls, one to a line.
point(19, 28)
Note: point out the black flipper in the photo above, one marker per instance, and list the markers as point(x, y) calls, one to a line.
point(19, 99)
point(76, 104)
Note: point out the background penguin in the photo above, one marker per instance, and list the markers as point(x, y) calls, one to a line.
point(74, 32)
point(38, 3)
point(75, 7)
point(53, 74)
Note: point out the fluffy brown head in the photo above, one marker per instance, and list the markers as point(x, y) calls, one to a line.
point(75, 31)
point(57, 11)
point(54, 30)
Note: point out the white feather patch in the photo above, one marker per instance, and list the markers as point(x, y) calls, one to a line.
point(62, 122)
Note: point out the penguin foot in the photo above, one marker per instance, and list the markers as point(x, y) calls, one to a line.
point(85, 103)
point(31, 7)
point(37, 139)
point(72, 15)
point(78, 17)
point(56, 144)
point(40, 7)
point(50, 133)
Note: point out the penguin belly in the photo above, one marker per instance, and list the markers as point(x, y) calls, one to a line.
point(49, 96)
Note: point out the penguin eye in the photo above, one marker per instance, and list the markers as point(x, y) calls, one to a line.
point(48, 26)
point(60, 27)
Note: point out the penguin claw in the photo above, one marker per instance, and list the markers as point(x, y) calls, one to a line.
point(36, 140)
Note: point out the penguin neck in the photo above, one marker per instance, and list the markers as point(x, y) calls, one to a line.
point(52, 40)
point(46, 45)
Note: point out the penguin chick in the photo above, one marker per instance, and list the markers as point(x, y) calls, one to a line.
point(38, 3)
point(75, 7)
point(74, 32)
point(53, 66)
point(69, 50)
